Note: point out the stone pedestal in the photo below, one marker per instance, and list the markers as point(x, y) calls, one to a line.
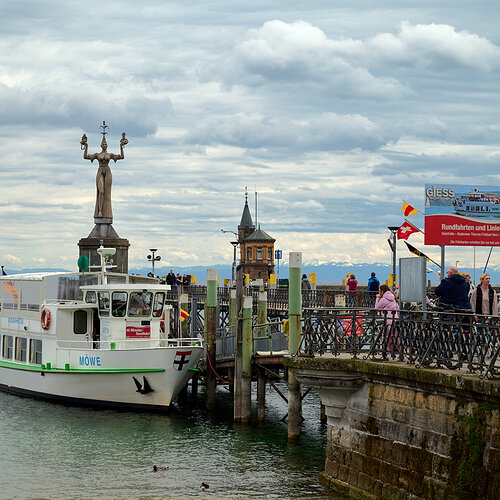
point(104, 232)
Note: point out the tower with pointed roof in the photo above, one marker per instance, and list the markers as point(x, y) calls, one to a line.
point(256, 247)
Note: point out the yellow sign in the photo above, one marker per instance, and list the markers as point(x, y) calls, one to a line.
point(193, 279)
point(312, 278)
point(226, 281)
point(272, 279)
point(247, 279)
point(391, 280)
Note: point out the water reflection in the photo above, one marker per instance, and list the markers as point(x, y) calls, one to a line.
point(55, 451)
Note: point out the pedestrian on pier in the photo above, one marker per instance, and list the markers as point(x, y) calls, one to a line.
point(305, 285)
point(454, 290)
point(171, 280)
point(484, 299)
point(3, 272)
point(373, 288)
point(387, 301)
point(352, 287)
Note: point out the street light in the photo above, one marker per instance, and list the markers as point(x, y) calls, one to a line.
point(235, 244)
point(152, 258)
point(392, 244)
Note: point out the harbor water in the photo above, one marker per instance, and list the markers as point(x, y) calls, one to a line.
point(55, 451)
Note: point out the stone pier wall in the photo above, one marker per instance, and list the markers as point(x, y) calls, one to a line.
point(396, 432)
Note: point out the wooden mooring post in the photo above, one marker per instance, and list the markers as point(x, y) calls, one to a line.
point(210, 333)
point(246, 362)
point(295, 330)
point(261, 374)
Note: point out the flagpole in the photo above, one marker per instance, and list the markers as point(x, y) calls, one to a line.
point(474, 277)
point(442, 262)
point(393, 230)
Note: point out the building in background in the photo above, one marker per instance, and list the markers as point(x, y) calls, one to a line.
point(256, 247)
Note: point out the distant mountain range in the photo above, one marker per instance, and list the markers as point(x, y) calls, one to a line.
point(326, 272)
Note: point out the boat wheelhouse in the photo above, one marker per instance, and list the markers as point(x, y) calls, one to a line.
point(477, 204)
point(92, 338)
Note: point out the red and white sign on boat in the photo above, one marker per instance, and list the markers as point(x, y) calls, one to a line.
point(138, 329)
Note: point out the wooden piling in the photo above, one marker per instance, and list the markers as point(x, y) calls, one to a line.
point(238, 345)
point(261, 395)
point(233, 317)
point(295, 330)
point(210, 333)
point(246, 361)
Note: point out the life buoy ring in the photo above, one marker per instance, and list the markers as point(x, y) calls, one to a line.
point(162, 322)
point(45, 319)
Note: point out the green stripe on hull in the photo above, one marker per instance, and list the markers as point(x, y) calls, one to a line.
point(17, 366)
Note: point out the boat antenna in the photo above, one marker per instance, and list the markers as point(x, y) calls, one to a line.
point(106, 265)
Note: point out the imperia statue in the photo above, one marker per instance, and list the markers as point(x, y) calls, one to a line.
point(104, 178)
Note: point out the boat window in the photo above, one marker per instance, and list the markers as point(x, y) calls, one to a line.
point(36, 351)
point(10, 292)
point(80, 322)
point(91, 297)
point(7, 346)
point(103, 303)
point(119, 304)
point(21, 344)
point(140, 304)
point(158, 304)
point(68, 287)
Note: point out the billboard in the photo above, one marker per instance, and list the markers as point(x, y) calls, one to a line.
point(462, 215)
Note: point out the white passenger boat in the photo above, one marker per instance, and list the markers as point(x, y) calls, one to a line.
point(477, 204)
point(94, 338)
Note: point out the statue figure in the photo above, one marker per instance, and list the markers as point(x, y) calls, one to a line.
point(103, 178)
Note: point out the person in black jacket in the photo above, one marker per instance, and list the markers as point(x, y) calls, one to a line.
point(454, 290)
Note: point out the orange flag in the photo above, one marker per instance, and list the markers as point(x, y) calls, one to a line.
point(408, 209)
point(184, 315)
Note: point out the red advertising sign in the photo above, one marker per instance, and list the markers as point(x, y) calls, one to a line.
point(462, 215)
point(138, 329)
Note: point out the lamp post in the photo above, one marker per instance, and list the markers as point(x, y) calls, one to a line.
point(392, 244)
point(152, 258)
point(235, 244)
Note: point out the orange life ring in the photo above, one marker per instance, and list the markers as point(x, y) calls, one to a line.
point(45, 319)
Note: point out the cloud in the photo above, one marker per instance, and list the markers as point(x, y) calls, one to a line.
point(288, 54)
point(326, 132)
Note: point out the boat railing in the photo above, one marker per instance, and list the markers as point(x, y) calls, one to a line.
point(129, 344)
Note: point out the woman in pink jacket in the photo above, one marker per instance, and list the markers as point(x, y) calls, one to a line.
point(386, 300)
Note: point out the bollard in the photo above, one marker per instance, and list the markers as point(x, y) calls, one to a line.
point(210, 333)
point(246, 361)
point(295, 329)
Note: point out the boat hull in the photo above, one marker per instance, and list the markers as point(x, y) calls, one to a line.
point(152, 382)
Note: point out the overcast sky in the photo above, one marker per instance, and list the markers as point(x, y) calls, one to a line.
point(335, 112)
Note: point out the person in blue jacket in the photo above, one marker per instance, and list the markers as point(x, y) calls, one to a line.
point(373, 287)
point(454, 290)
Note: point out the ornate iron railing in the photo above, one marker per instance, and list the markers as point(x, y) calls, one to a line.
point(444, 339)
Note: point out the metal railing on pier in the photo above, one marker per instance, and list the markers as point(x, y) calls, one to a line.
point(277, 298)
point(440, 339)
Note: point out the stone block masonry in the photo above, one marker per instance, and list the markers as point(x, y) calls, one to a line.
point(397, 432)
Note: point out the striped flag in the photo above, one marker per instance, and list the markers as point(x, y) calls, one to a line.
point(408, 209)
point(184, 315)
